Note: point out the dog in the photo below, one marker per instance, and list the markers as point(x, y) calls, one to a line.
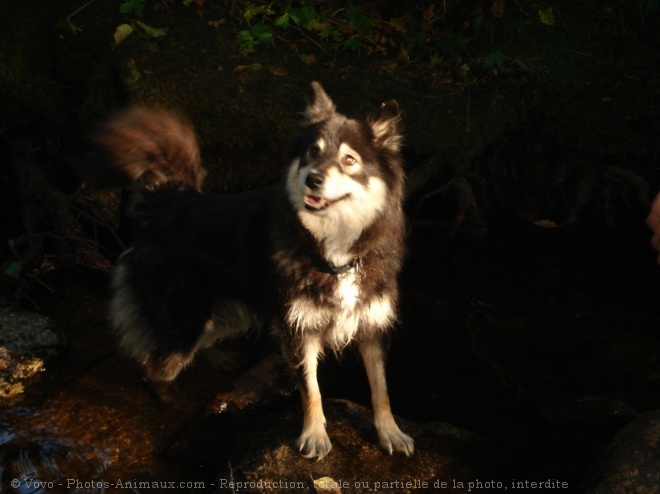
point(314, 258)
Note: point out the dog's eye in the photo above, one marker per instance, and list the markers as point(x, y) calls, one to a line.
point(348, 160)
point(314, 151)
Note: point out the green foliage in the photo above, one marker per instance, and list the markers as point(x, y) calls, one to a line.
point(546, 16)
point(360, 21)
point(132, 7)
point(414, 32)
point(14, 270)
point(250, 37)
point(494, 61)
point(136, 8)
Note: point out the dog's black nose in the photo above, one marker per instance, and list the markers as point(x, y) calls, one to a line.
point(314, 180)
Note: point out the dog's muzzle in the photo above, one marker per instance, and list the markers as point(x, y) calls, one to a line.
point(314, 180)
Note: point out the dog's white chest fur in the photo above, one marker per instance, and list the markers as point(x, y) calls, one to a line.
point(347, 291)
point(350, 313)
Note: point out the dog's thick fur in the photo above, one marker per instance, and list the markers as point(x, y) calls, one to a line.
point(316, 259)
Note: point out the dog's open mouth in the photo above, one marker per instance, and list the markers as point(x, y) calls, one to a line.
point(316, 203)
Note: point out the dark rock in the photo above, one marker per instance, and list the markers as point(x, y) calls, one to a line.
point(265, 458)
point(630, 464)
point(248, 436)
point(265, 382)
point(27, 341)
point(257, 448)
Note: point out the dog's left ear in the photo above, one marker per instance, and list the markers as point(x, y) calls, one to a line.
point(319, 107)
point(385, 126)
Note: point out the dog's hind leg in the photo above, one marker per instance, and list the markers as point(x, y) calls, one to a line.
point(390, 436)
point(161, 369)
point(165, 367)
point(313, 441)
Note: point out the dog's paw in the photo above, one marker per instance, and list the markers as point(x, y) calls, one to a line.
point(392, 439)
point(314, 444)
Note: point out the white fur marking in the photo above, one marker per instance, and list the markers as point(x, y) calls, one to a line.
point(341, 324)
point(303, 314)
point(347, 291)
point(379, 313)
point(341, 224)
point(381, 128)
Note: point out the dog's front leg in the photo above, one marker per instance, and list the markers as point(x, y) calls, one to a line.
point(314, 441)
point(390, 436)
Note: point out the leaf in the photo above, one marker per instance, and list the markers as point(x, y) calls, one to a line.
point(244, 36)
point(14, 270)
point(359, 20)
point(546, 17)
point(307, 59)
point(331, 33)
point(262, 33)
point(399, 25)
point(278, 70)
point(327, 485)
point(122, 32)
point(72, 27)
point(249, 13)
point(494, 60)
point(134, 6)
point(305, 17)
point(254, 10)
point(154, 32)
point(351, 44)
point(547, 224)
point(282, 21)
point(217, 23)
point(243, 68)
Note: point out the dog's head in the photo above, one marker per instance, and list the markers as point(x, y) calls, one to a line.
point(344, 170)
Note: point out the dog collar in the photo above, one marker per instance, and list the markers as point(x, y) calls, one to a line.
point(334, 269)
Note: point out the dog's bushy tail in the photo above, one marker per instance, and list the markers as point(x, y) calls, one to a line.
point(151, 147)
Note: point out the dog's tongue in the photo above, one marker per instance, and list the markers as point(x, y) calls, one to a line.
point(316, 202)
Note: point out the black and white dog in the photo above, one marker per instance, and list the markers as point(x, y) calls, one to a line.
point(315, 259)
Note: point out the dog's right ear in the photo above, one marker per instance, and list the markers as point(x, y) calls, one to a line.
point(319, 107)
point(385, 126)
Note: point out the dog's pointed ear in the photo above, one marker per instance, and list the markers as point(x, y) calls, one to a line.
point(385, 126)
point(319, 107)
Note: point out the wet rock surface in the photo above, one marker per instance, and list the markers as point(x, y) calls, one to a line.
point(246, 443)
point(268, 457)
point(27, 341)
point(254, 451)
point(630, 465)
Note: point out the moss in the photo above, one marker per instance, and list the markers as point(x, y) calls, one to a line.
point(15, 371)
